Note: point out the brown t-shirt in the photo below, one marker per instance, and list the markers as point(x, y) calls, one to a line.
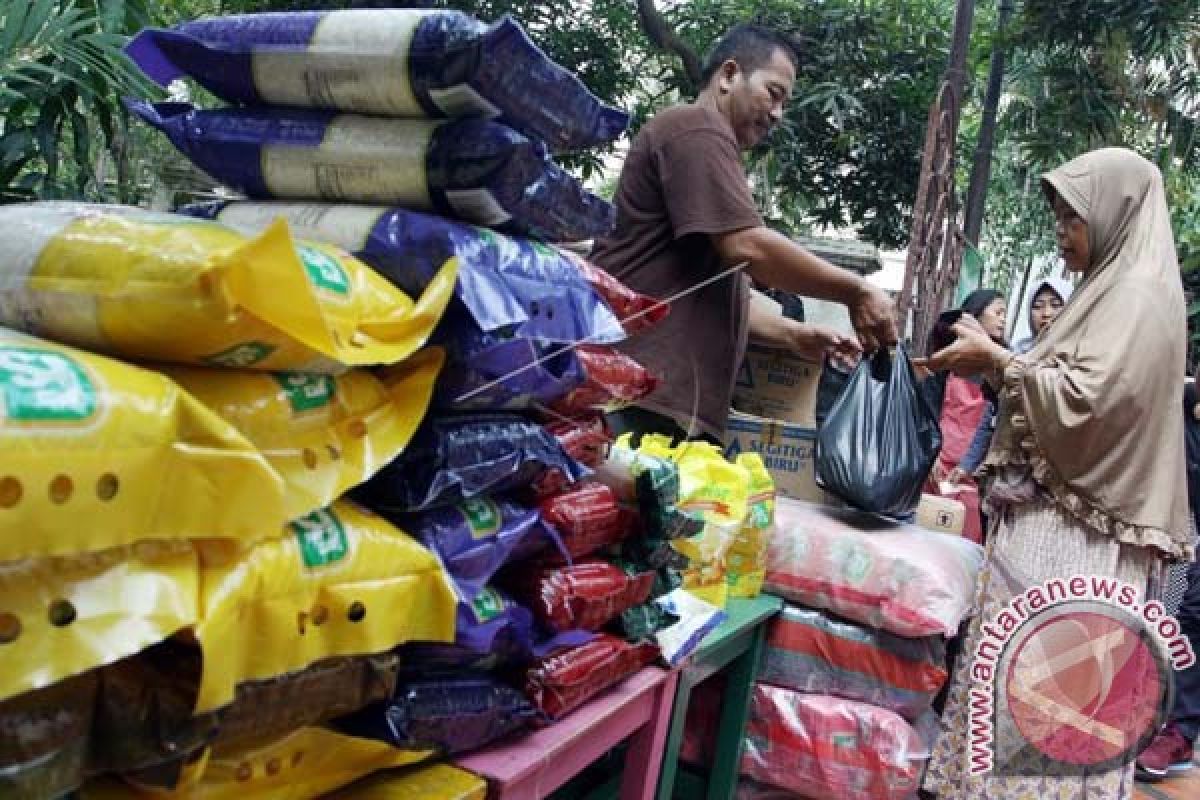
point(682, 181)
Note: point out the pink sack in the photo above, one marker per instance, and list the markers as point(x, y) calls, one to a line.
point(888, 575)
point(826, 748)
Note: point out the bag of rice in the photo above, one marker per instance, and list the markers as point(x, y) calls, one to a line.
point(394, 63)
point(323, 434)
point(471, 169)
point(889, 575)
point(456, 458)
point(162, 287)
point(97, 454)
point(811, 651)
point(519, 285)
point(820, 746)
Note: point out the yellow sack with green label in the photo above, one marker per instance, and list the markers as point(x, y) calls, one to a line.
point(300, 766)
point(324, 434)
point(434, 782)
point(746, 562)
point(338, 582)
point(97, 454)
point(168, 288)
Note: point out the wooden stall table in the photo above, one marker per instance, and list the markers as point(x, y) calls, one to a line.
point(736, 648)
point(530, 767)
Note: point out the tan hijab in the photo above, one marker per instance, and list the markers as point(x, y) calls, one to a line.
point(1097, 411)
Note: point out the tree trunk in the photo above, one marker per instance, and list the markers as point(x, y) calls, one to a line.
point(660, 33)
point(981, 167)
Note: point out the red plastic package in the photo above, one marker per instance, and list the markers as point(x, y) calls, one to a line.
point(586, 439)
point(585, 595)
point(613, 381)
point(563, 682)
point(586, 518)
point(638, 312)
point(825, 747)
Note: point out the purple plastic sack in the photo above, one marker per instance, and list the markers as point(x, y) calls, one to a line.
point(477, 537)
point(456, 458)
point(395, 63)
point(448, 714)
point(472, 169)
point(521, 285)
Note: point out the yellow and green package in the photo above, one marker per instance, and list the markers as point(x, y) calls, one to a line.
point(746, 562)
point(323, 433)
point(168, 288)
point(302, 765)
point(97, 454)
point(434, 782)
point(341, 581)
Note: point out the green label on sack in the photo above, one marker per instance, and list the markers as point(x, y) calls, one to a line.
point(487, 605)
point(324, 270)
point(482, 516)
point(322, 539)
point(43, 386)
point(306, 392)
point(239, 356)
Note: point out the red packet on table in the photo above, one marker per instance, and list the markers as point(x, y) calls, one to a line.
point(563, 682)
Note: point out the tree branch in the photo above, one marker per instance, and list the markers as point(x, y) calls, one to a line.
point(660, 33)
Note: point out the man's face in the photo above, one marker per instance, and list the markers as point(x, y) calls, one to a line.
point(755, 101)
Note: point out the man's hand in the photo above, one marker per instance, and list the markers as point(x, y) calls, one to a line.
point(815, 343)
point(874, 317)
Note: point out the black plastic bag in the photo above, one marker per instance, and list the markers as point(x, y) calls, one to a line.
point(879, 440)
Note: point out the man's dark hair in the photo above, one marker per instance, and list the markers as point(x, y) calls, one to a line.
point(751, 46)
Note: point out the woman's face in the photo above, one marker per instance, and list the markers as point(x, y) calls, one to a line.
point(1046, 306)
point(992, 318)
point(1072, 234)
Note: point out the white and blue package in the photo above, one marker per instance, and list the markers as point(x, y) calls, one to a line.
point(394, 62)
point(518, 284)
point(472, 169)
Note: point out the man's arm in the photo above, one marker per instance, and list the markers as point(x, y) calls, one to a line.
point(776, 261)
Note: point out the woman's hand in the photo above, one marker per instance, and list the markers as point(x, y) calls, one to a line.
point(973, 352)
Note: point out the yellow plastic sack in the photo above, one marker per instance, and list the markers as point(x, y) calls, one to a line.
point(746, 562)
point(161, 287)
point(435, 782)
point(338, 582)
point(299, 766)
point(341, 581)
point(324, 434)
point(96, 454)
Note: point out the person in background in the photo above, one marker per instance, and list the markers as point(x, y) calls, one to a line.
point(1048, 299)
point(1172, 750)
point(1086, 473)
point(687, 229)
point(961, 406)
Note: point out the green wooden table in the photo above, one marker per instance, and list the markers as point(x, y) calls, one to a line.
point(736, 648)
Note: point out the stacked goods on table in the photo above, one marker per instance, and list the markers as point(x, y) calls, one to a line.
point(196, 609)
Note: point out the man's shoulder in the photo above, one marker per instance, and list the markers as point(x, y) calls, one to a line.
point(685, 118)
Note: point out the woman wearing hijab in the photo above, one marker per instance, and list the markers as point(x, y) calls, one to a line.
point(962, 407)
point(1085, 474)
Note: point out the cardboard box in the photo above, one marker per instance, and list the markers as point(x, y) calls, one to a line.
point(777, 385)
point(787, 450)
point(941, 514)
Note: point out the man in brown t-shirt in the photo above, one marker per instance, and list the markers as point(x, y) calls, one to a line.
point(686, 219)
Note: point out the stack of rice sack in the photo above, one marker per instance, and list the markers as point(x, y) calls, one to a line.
point(417, 139)
point(186, 600)
point(842, 710)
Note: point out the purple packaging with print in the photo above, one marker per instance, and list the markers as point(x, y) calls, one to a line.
point(448, 714)
point(489, 371)
point(392, 63)
point(457, 457)
point(471, 168)
point(520, 285)
point(475, 538)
